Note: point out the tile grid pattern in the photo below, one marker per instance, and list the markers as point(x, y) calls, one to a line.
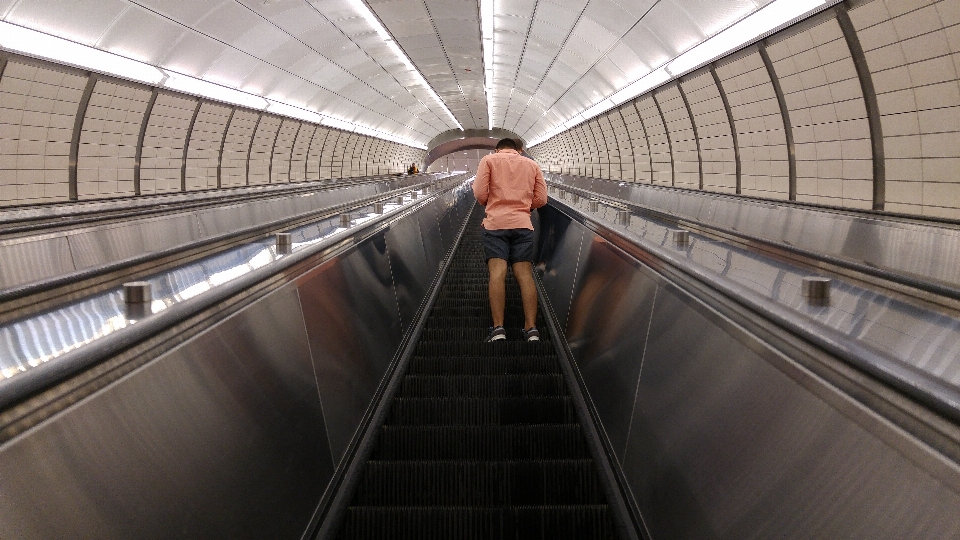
point(38, 111)
point(912, 48)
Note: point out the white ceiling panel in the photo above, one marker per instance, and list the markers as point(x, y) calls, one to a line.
point(83, 21)
point(413, 67)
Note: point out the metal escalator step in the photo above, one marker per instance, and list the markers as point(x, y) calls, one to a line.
point(481, 365)
point(481, 411)
point(553, 441)
point(491, 483)
point(478, 348)
point(568, 522)
point(482, 386)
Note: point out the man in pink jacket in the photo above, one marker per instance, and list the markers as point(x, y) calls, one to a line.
point(510, 186)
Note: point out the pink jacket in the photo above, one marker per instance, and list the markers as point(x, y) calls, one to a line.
point(510, 186)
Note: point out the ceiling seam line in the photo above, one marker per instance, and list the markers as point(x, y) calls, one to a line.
point(178, 23)
point(604, 55)
point(365, 53)
point(445, 55)
point(552, 62)
point(523, 52)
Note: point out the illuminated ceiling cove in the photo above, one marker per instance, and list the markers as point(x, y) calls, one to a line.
point(407, 70)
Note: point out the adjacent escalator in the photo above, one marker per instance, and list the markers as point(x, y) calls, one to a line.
point(482, 439)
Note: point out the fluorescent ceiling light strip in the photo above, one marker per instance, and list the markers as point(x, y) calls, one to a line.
point(40, 45)
point(772, 16)
point(364, 11)
point(29, 42)
point(486, 31)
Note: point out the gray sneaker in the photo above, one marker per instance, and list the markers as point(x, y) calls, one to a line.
point(496, 333)
point(532, 334)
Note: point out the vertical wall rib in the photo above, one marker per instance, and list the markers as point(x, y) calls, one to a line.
point(666, 131)
point(253, 136)
point(186, 146)
point(223, 144)
point(77, 131)
point(733, 127)
point(785, 113)
point(873, 106)
point(696, 134)
point(138, 158)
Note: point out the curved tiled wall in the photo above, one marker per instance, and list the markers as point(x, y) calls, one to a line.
point(66, 134)
point(857, 107)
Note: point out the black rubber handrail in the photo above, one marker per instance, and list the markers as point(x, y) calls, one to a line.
point(908, 280)
point(37, 287)
point(932, 392)
point(22, 386)
point(84, 217)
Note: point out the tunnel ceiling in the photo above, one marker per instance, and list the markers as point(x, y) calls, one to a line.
point(388, 64)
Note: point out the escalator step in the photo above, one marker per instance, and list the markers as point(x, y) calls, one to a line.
point(481, 365)
point(481, 411)
point(491, 483)
point(553, 441)
point(482, 386)
point(481, 440)
point(571, 522)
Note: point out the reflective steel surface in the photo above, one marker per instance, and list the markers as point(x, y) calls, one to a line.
point(37, 339)
point(717, 434)
point(235, 433)
point(913, 334)
point(926, 250)
point(34, 257)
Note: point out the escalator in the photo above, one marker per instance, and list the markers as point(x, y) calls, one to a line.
point(482, 439)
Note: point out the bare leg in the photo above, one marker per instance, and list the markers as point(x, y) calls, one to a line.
point(523, 272)
point(498, 289)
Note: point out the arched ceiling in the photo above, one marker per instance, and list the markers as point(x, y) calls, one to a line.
point(410, 68)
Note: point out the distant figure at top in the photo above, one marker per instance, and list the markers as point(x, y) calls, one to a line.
point(413, 169)
point(510, 185)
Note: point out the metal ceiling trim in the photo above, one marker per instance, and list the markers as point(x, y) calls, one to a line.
point(253, 135)
point(666, 130)
point(223, 143)
point(785, 113)
point(138, 156)
point(72, 172)
point(186, 146)
point(872, 105)
point(693, 124)
point(733, 127)
point(549, 67)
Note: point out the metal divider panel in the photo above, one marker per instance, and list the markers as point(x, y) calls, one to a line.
point(221, 437)
point(346, 377)
point(374, 300)
point(430, 234)
point(723, 438)
point(25, 262)
point(409, 266)
point(559, 252)
point(104, 245)
point(607, 333)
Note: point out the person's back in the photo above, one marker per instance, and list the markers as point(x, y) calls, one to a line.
point(510, 186)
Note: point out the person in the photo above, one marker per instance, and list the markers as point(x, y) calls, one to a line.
point(509, 186)
point(413, 169)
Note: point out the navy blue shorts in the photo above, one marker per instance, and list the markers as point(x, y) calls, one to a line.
point(511, 245)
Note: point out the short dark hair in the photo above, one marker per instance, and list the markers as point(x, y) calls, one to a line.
point(507, 143)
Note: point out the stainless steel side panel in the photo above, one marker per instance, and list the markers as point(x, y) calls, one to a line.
point(607, 333)
point(560, 246)
point(927, 250)
point(21, 262)
point(409, 267)
point(237, 432)
point(719, 435)
point(222, 437)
